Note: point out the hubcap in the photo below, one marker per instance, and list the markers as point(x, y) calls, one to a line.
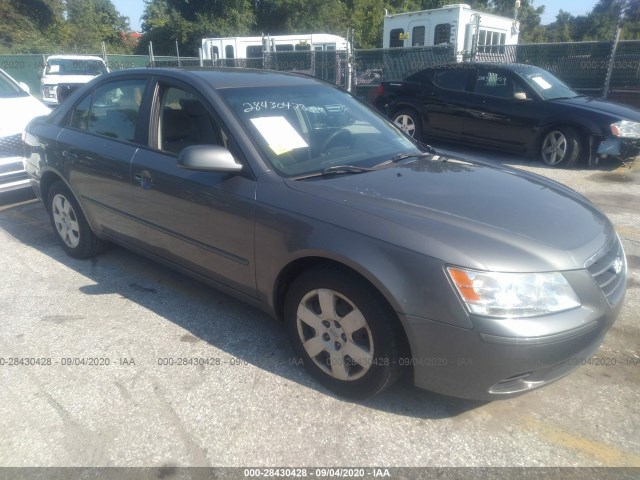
point(554, 148)
point(65, 220)
point(406, 123)
point(335, 334)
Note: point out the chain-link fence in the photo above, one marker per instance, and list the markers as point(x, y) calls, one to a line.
point(584, 66)
point(374, 66)
point(328, 65)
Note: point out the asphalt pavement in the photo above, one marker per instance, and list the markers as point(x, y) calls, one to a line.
point(98, 380)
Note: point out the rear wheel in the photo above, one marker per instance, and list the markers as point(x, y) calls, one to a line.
point(345, 334)
point(69, 223)
point(560, 145)
point(409, 121)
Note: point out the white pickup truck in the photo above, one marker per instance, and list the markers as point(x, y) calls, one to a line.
point(64, 73)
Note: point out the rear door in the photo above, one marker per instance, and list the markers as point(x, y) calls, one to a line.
point(101, 135)
point(203, 221)
point(446, 107)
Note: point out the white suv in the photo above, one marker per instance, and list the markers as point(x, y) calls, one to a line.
point(18, 109)
point(64, 73)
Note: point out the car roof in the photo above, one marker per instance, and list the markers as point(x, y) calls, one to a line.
point(220, 78)
point(74, 57)
point(506, 66)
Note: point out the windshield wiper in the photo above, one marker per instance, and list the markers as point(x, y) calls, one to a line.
point(404, 156)
point(335, 170)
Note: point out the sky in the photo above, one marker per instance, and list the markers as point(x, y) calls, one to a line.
point(134, 8)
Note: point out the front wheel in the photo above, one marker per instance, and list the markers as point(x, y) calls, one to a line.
point(560, 145)
point(69, 223)
point(409, 121)
point(345, 334)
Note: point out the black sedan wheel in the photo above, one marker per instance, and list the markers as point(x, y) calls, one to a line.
point(344, 333)
point(70, 224)
point(409, 121)
point(560, 145)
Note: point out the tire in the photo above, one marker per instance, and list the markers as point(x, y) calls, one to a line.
point(344, 333)
point(70, 225)
point(409, 121)
point(560, 146)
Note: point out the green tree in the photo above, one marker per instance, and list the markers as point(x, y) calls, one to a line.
point(529, 16)
point(27, 26)
point(562, 29)
point(168, 21)
point(90, 22)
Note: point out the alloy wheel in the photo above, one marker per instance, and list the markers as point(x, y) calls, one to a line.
point(335, 334)
point(406, 123)
point(65, 221)
point(554, 148)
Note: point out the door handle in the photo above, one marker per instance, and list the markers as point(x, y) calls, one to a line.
point(144, 179)
point(69, 155)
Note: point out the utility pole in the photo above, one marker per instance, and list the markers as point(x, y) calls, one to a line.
point(614, 47)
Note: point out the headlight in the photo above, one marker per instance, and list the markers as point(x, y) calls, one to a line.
point(49, 90)
point(513, 294)
point(626, 129)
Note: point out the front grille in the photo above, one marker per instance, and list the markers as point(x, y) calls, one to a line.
point(609, 269)
point(11, 146)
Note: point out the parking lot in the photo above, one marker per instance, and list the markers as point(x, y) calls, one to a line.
point(103, 391)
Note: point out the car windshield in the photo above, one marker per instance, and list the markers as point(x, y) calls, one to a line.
point(9, 89)
point(306, 129)
point(543, 82)
point(79, 66)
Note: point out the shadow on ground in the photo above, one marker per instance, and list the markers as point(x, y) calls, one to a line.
point(242, 331)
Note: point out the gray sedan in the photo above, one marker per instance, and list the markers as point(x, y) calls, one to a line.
point(381, 256)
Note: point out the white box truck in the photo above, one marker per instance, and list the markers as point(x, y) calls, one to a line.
point(458, 25)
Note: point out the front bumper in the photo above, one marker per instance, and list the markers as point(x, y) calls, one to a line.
point(618, 147)
point(12, 173)
point(500, 358)
point(465, 363)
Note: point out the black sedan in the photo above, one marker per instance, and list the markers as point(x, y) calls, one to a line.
point(293, 195)
point(513, 107)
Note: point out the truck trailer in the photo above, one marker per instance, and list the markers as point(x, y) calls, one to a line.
point(226, 48)
point(458, 25)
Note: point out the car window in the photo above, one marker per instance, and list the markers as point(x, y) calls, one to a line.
point(545, 84)
point(452, 79)
point(110, 110)
point(80, 114)
point(305, 129)
point(494, 82)
point(185, 121)
point(76, 66)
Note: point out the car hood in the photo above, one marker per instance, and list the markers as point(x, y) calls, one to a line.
point(61, 79)
point(602, 106)
point(469, 214)
point(22, 109)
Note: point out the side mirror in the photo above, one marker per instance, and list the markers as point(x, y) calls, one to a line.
point(24, 87)
point(209, 158)
point(520, 96)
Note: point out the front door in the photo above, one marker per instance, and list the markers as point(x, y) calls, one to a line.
point(203, 221)
point(495, 117)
